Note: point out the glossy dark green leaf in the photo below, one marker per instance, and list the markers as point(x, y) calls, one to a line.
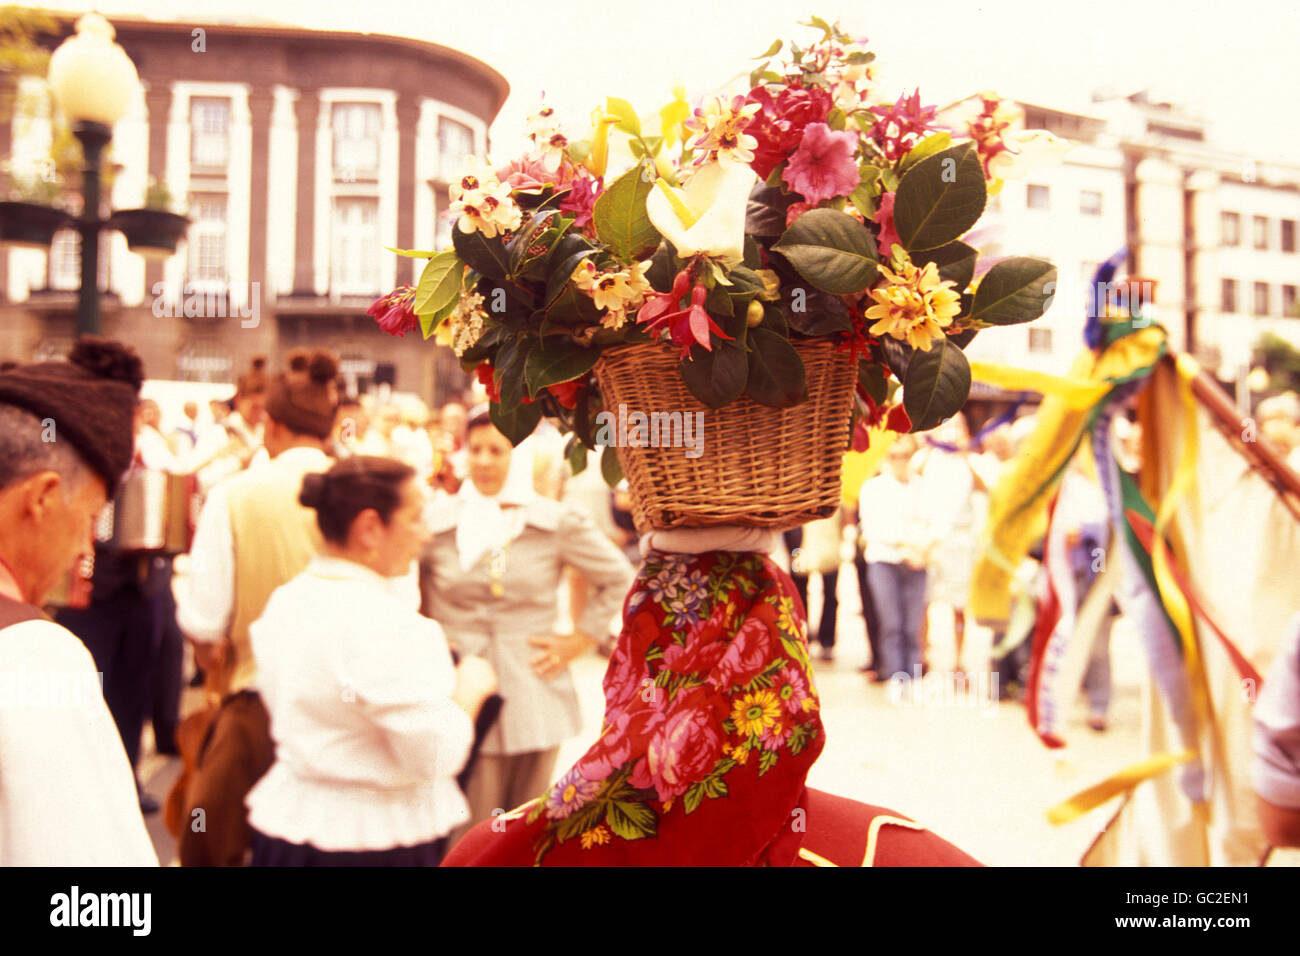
point(873, 381)
point(486, 256)
point(936, 385)
point(621, 219)
point(557, 359)
point(1015, 290)
point(715, 377)
point(831, 250)
point(776, 373)
point(956, 261)
point(940, 198)
point(516, 424)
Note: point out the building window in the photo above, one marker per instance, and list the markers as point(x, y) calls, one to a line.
point(354, 267)
point(1230, 229)
point(1289, 301)
point(442, 227)
point(1038, 197)
point(455, 144)
point(1228, 302)
point(204, 362)
point(1288, 235)
point(1040, 340)
point(209, 133)
point(1090, 202)
point(356, 141)
point(1261, 298)
point(207, 236)
point(1261, 232)
point(65, 260)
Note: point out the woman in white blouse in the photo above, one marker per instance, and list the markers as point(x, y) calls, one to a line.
point(370, 719)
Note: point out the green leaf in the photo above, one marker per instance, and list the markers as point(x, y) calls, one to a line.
point(776, 373)
point(940, 198)
point(631, 821)
point(718, 376)
point(577, 456)
point(557, 360)
point(439, 283)
point(765, 213)
point(936, 384)
point(927, 147)
point(831, 250)
point(1015, 290)
point(956, 261)
point(820, 24)
point(568, 252)
point(429, 321)
point(621, 219)
point(611, 469)
point(872, 379)
point(693, 797)
point(772, 51)
point(628, 121)
point(864, 194)
point(518, 248)
point(517, 424)
point(483, 255)
point(897, 355)
point(413, 253)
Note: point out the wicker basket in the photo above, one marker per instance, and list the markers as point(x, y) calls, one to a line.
point(758, 466)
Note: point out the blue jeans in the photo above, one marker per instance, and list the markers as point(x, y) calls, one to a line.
point(899, 594)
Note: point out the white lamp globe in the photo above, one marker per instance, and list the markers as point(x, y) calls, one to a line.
point(91, 76)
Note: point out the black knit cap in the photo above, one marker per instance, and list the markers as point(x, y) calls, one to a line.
point(91, 398)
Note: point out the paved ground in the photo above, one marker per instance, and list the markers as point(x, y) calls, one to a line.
point(970, 770)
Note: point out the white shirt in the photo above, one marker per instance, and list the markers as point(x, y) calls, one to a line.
point(67, 793)
point(368, 741)
point(893, 518)
point(205, 604)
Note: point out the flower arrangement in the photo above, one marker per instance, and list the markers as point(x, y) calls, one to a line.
point(806, 208)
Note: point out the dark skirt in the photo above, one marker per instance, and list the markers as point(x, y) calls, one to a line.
point(272, 851)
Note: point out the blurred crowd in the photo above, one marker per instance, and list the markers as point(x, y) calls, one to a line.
point(381, 602)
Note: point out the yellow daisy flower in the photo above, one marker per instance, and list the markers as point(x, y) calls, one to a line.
point(914, 306)
point(597, 836)
point(755, 712)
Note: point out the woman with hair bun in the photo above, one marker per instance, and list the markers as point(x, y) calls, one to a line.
point(370, 719)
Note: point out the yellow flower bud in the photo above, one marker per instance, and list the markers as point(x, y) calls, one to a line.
point(754, 315)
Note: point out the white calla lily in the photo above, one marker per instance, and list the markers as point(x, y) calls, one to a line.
point(708, 216)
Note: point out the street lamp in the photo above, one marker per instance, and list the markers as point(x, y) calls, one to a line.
point(94, 82)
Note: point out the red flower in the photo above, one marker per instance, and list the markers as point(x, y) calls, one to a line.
point(684, 748)
point(394, 311)
point(581, 199)
point(566, 393)
point(901, 125)
point(884, 218)
point(749, 652)
point(686, 327)
point(779, 124)
point(487, 377)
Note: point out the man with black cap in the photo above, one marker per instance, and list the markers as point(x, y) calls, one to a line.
point(252, 537)
point(66, 437)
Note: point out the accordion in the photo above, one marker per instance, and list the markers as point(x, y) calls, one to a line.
point(154, 511)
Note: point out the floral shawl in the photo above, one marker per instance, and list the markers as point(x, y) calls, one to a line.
point(711, 724)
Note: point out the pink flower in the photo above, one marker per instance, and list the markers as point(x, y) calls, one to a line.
point(628, 734)
point(884, 218)
point(779, 125)
point(749, 652)
point(581, 199)
point(394, 312)
point(685, 748)
point(823, 166)
point(901, 125)
point(791, 688)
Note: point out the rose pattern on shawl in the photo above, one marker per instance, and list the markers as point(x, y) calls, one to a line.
point(711, 669)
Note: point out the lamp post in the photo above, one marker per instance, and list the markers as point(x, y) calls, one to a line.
point(94, 82)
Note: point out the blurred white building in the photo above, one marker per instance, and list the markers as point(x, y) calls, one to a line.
point(1214, 227)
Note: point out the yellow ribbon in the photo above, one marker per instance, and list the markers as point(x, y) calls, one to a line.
point(1128, 778)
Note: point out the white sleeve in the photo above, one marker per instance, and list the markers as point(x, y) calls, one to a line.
point(407, 690)
point(206, 602)
point(69, 795)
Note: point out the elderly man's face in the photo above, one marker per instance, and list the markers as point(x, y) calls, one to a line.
point(66, 521)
